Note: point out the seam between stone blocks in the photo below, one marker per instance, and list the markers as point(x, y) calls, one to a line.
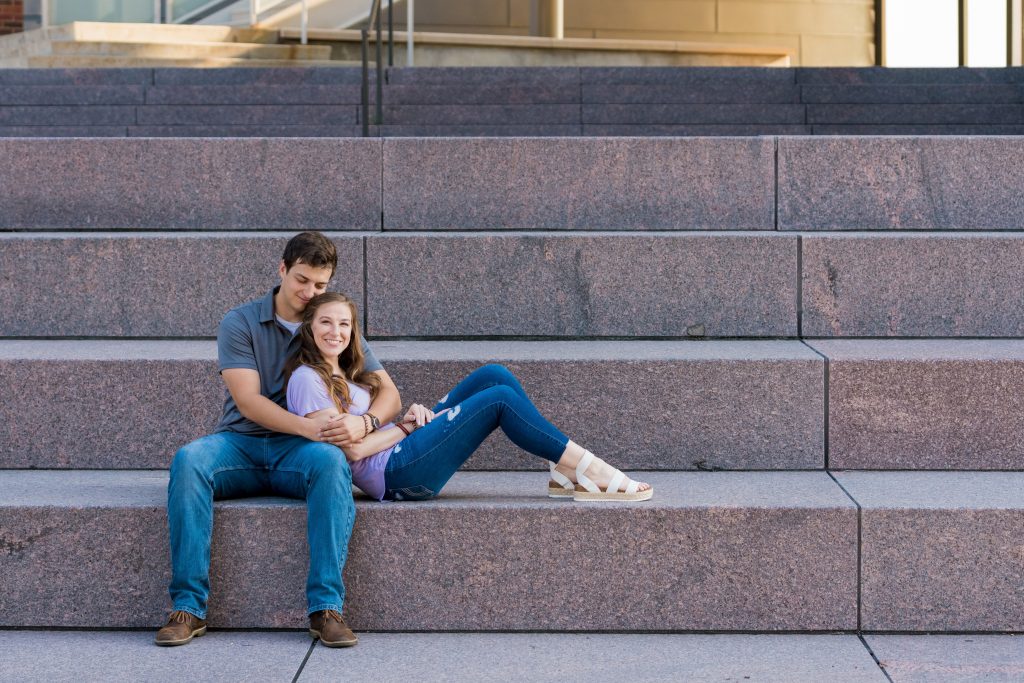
point(305, 659)
point(871, 652)
point(860, 553)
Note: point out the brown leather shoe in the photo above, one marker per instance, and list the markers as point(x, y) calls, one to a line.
point(330, 628)
point(180, 628)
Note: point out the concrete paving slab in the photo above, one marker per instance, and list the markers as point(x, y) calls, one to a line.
point(925, 404)
point(950, 659)
point(766, 551)
point(123, 656)
point(611, 658)
point(197, 184)
point(182, 284)
point(579, 184)
point(940, 551)
point(765, 412)
point(900, 183)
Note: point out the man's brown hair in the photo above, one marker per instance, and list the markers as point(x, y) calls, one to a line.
point(311, 248)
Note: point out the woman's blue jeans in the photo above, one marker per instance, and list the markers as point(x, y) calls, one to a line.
point(230, 465)
point(489, 398)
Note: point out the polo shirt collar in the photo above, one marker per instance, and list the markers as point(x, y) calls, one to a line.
point(267, 306)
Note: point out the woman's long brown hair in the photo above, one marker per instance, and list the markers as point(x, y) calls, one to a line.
point(350, 360)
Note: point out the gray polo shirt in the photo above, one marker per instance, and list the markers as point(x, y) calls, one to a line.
point(250, 337)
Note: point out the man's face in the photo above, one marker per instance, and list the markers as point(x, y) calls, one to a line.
point(300, 283)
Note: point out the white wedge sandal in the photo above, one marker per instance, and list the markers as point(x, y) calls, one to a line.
point(560, 486)
point(587, 490)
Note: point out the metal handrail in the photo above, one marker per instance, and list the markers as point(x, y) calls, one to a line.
point(373, 23)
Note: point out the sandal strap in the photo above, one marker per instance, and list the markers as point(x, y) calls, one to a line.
point(581, 467)
point(613, 485)
point(560, 478)
point(633, 486)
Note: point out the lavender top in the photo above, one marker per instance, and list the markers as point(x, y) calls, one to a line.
point(308, 394)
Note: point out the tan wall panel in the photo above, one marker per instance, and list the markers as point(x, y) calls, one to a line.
point(662, 15)
point(460, 12)
point(837, 50)
point(794, 17)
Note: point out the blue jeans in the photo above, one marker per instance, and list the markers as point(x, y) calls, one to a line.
point(489, 398)
point(230, 465)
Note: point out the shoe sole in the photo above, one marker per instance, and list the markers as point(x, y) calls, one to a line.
point(559, 492)
point(340, 643)
point(171, 643)
point(585, 496)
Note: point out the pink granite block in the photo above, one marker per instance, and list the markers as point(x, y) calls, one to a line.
point(494, 114)
point(484, 93)
point(246, 114)
point(71, 94)
point(580, 184)
point(730, 405)
point(582, 285)
point(714, 551)
point(200, 184)
point(737, 404)
point(913, 285)
point(922, 183)
point(940, 551)
point(925, 404)
point(144, 284)
point(253, 94)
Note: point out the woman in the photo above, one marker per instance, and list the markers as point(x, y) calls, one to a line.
point(414, 459)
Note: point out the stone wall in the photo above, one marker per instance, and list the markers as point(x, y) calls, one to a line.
point(11, 16)
point(823, 32)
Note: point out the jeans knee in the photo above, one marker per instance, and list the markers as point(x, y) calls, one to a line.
point(328, 463)
point(499, 374)
point(502, 393)
point(188, 461)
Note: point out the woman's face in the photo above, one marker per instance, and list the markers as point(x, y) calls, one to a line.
point(332, 328)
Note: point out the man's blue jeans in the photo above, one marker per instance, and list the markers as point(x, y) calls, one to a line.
point(230, 465)
point(489, 398)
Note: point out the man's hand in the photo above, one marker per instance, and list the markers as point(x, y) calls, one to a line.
point(344, 431)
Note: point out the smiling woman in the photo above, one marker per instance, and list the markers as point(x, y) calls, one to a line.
point(415, 458)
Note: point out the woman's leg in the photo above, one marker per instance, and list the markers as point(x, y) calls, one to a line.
point(491, 375)
point(423, 463)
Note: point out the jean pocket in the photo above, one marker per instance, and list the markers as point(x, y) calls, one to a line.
point(412, 493)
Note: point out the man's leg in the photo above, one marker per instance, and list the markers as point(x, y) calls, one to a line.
point(318, 472)
point(215, 466)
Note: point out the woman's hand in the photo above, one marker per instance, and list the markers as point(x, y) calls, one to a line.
point(320, 419)
point(419, 415)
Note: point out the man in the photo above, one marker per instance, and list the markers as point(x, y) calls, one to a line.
point(260, 448)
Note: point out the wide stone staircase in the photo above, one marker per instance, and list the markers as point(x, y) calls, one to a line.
point(812, 347)
point(312, 101)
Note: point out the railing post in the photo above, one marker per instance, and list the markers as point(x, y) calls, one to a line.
point(556, 19)
point(305, 21)
point(409, 29)
point(157, 11)
point(254, 12)
point(366, 82)
point(380, 70)
point(391, 34)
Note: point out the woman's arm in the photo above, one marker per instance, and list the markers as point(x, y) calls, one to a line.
point(373, 443)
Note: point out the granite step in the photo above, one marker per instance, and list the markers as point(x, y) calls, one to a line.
point(495, 183)
point(738, 284)
point(572, 183)
point(725, 551)
point(891, 404)
point(234, 50)
point(731, 405)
